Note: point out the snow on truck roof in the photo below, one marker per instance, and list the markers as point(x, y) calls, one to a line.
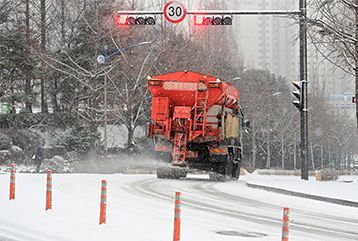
point(182, 87)
point(187, 76)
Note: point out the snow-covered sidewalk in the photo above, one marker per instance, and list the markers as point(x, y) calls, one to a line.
point(345, 188)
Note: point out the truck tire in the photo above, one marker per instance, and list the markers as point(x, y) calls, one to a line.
point(183, 173)
point(162, 173)
point(224, 170)
point(236, 159)
point(236, 170)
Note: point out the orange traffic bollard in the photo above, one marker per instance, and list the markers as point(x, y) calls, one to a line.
point(49, 190)
point(102, 214)
point(177, 213)
point(12, 182)
point(285, 224)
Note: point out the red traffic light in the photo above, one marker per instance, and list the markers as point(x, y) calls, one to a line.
point(199, 20)
point(122, 19)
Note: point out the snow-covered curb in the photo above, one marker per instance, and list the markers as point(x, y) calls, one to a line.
point(304, 195)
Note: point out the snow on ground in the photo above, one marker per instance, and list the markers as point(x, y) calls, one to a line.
point(342, 189)
point(332, 189)
point(135, 213)
point(75, 213)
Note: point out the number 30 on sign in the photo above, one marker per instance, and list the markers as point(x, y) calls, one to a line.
point(174, 12)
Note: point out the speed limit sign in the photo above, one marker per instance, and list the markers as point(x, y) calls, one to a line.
point(174, 12)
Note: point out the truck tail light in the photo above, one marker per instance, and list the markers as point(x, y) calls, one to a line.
point(153, 83)
point(218, 151)
point(214, 85)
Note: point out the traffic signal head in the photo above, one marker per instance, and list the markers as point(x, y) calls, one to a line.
point(135, 20)
point(212, 20)
point(298, 94)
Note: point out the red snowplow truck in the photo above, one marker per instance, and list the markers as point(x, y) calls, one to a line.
point(196, 124)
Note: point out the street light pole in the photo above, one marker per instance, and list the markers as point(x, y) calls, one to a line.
point(105, 118)
point(105, 110)
point(304, 92)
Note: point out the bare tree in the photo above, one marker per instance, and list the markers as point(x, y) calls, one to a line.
point(334, 32)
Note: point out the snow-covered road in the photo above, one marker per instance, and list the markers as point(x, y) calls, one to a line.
point(141, 207)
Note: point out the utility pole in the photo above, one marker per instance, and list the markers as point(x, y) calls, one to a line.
point(105, 110)
point(304, 92)
point(105, 118)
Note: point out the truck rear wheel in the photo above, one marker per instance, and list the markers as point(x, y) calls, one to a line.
point(224, 171)
point(162, 173)
point(236, 170)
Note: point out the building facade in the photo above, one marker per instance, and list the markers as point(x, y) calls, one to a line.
point(269, 42)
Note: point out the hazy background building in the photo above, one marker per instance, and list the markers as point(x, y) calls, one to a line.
point(268, 42)
point(271, 43)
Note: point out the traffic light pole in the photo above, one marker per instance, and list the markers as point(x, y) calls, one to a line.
point(217, 12)
point(304, 92)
